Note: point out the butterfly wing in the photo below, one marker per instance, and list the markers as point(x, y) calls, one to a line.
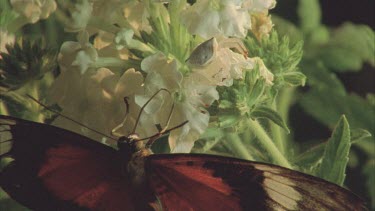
point(54, 169)
point(206, 182)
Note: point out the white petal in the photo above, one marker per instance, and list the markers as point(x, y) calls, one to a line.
point(129, 83)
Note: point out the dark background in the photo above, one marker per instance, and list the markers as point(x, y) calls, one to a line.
point(360, 12)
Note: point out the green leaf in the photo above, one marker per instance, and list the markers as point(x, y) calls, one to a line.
point(319, 36)
point(319, 77)
point(9, 204)
point(367, 146)
point(327, 106)
point(7, 15)
point(335, 157)
point(349, 47)
point(256, 92)
point(294, 78)
point(369, 171)
point(228, 121)
point(358, 135)
point(268, 113)
point(277, 53)
point(310, 159)
point(310, 14)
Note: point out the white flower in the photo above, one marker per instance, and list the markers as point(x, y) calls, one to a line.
point(108, 10)
point(217, 63)
point(219, 17)
point(77, 56)
point(259, 5)
point(137, 15)
point(75, 16)
point(226, 66)
point(5, 39)
point(95, 99)
point(189, 95)
point(262, 25)
point(264, 72)
point(34, 10)
point(195, 98)
point(74, 60)
point(231, 18)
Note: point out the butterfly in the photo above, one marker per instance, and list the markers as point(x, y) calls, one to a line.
point(55, 169)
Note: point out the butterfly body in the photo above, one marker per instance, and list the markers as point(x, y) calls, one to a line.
point(55, 169)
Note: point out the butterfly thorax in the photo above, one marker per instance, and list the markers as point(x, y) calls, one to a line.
point(134, 152)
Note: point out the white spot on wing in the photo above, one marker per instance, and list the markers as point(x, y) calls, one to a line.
point(7, 122)
point(267, 168)
point(280, 190)
point(5, 136)
point(280, 179)
point(5, 147)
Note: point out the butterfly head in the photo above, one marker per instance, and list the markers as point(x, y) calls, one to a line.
point(130, 144)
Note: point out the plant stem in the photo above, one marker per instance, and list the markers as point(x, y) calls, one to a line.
point(35, 107)
point(276, 134)
point(285, 100)
point(268, 144)
point(113, 62)
point(234, 142)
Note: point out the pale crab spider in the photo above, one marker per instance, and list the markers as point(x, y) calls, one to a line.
point(205, 52)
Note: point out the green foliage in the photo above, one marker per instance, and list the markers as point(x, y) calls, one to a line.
point(285, 27)
point(276, 51)
point(321, 78)
point(294, 78)
point(9, 204)
point(310, 15)
point(326, 106)
point(7, 15)
point(309, 160)
point(357, 135)
point(368, 170)
point(280, 57)
point(348, 48)
point(327, 52)
point(335, 157)
point(241, 98)
point(272, 115)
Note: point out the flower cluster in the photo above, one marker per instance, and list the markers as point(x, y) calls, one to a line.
point(134, 49)
point(229, 18)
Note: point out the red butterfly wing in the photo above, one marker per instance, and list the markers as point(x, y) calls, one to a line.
point(57, 169)
point(204, 182)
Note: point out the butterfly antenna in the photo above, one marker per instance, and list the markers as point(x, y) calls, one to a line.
point(113, 132)
point(68, 118)
point(143, 107)
point(153, 138)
